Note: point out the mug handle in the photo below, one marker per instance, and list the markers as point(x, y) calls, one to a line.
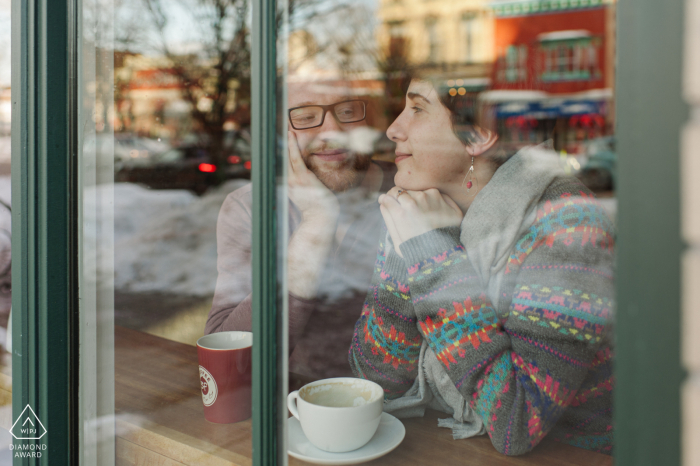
point(291, 403)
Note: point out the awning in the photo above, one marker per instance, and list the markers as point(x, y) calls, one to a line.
point(540, 106)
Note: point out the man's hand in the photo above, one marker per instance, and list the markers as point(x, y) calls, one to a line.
point(313, 198)
point(311, 242)
point(413, 213)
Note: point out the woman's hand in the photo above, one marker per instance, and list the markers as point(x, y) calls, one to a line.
point(411, 213)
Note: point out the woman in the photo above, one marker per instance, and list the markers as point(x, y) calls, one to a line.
point(492, 291)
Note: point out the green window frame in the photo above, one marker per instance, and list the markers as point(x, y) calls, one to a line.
point(650, 113)
point(45, 225)
point(44, 275)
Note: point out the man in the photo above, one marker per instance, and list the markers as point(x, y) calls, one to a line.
point(334, 226)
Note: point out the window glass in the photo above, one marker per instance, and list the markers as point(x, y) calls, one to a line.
point(455, 246)
point(166, 214)
point(5, 236)
point(445, 229)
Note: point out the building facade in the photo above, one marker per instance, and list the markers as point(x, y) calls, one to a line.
point(554, 72)
point(451, 40)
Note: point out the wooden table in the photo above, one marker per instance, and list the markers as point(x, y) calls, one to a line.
point(160, 420)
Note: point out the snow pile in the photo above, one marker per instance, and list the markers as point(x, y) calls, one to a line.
point(165, 240)
point(136, 206)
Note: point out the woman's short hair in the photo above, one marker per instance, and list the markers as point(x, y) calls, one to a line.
point(462, 113)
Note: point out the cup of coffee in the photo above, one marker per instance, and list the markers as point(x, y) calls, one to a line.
point(340, 414)
point(225, 368)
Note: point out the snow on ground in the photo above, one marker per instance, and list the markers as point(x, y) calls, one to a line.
point(165, 240)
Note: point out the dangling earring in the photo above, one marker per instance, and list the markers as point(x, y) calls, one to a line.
point(470, 178)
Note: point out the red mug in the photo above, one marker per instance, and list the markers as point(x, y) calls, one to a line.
point(225, 375)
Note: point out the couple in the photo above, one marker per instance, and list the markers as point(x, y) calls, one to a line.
point(492, 287)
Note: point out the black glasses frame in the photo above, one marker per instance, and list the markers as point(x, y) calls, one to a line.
point(326, 108)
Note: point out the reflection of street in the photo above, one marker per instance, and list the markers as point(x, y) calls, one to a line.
point(165, 258)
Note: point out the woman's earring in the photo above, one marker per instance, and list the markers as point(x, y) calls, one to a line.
point(470, 178)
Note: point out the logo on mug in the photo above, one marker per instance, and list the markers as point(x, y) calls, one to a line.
point(209, 390)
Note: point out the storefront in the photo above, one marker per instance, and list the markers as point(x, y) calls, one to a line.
point(535, 115)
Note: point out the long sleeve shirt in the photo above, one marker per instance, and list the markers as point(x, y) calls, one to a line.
point(320, 329)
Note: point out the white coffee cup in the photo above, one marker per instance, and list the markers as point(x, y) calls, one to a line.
point(340, 414)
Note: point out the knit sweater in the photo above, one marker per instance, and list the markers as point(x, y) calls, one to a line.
point(537, 363)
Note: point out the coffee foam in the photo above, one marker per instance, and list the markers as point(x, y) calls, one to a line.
point(341, 394)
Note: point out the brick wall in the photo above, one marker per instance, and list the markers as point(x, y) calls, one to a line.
point(690, 199)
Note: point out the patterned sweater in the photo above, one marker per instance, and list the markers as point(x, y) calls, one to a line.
point(540, 363)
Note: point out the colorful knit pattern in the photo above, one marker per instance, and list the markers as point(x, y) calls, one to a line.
point(534, 361)
point(393, 387)
point(395, 287)
point(381, 256)
point(438, 263)
point(581, 216)
point(386, 342)
point(468, 323)
point(486, 399)
point(555, 392)
point(392, 345)
point(566, 311)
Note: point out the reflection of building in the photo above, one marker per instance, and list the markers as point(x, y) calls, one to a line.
point(309, 67)
point(302, 50)
point(148, 96)
point(447, 39)
point(553, 71)
point(450, 43)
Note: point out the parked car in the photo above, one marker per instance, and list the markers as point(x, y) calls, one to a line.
point(239, 157)
point(135, 151)
point(599, 172)
point(190, 166)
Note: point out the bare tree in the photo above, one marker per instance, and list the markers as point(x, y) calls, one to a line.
point(215, 79)
point(349, 40)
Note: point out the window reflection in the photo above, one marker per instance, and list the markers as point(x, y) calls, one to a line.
point(504, 107)
point(182, 142)
point(178, 134)
point(496, 250)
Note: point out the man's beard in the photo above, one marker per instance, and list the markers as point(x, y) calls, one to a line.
point(339, 177)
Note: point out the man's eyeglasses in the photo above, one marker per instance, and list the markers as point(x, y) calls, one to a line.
point(312, 116)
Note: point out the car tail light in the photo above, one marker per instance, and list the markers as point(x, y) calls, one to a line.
point(248, 165)
point(234, 159)
point(207, 168)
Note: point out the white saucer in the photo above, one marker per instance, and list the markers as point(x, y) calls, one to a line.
point(388, 436)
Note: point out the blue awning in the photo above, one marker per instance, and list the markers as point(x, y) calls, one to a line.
point(553, 108)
